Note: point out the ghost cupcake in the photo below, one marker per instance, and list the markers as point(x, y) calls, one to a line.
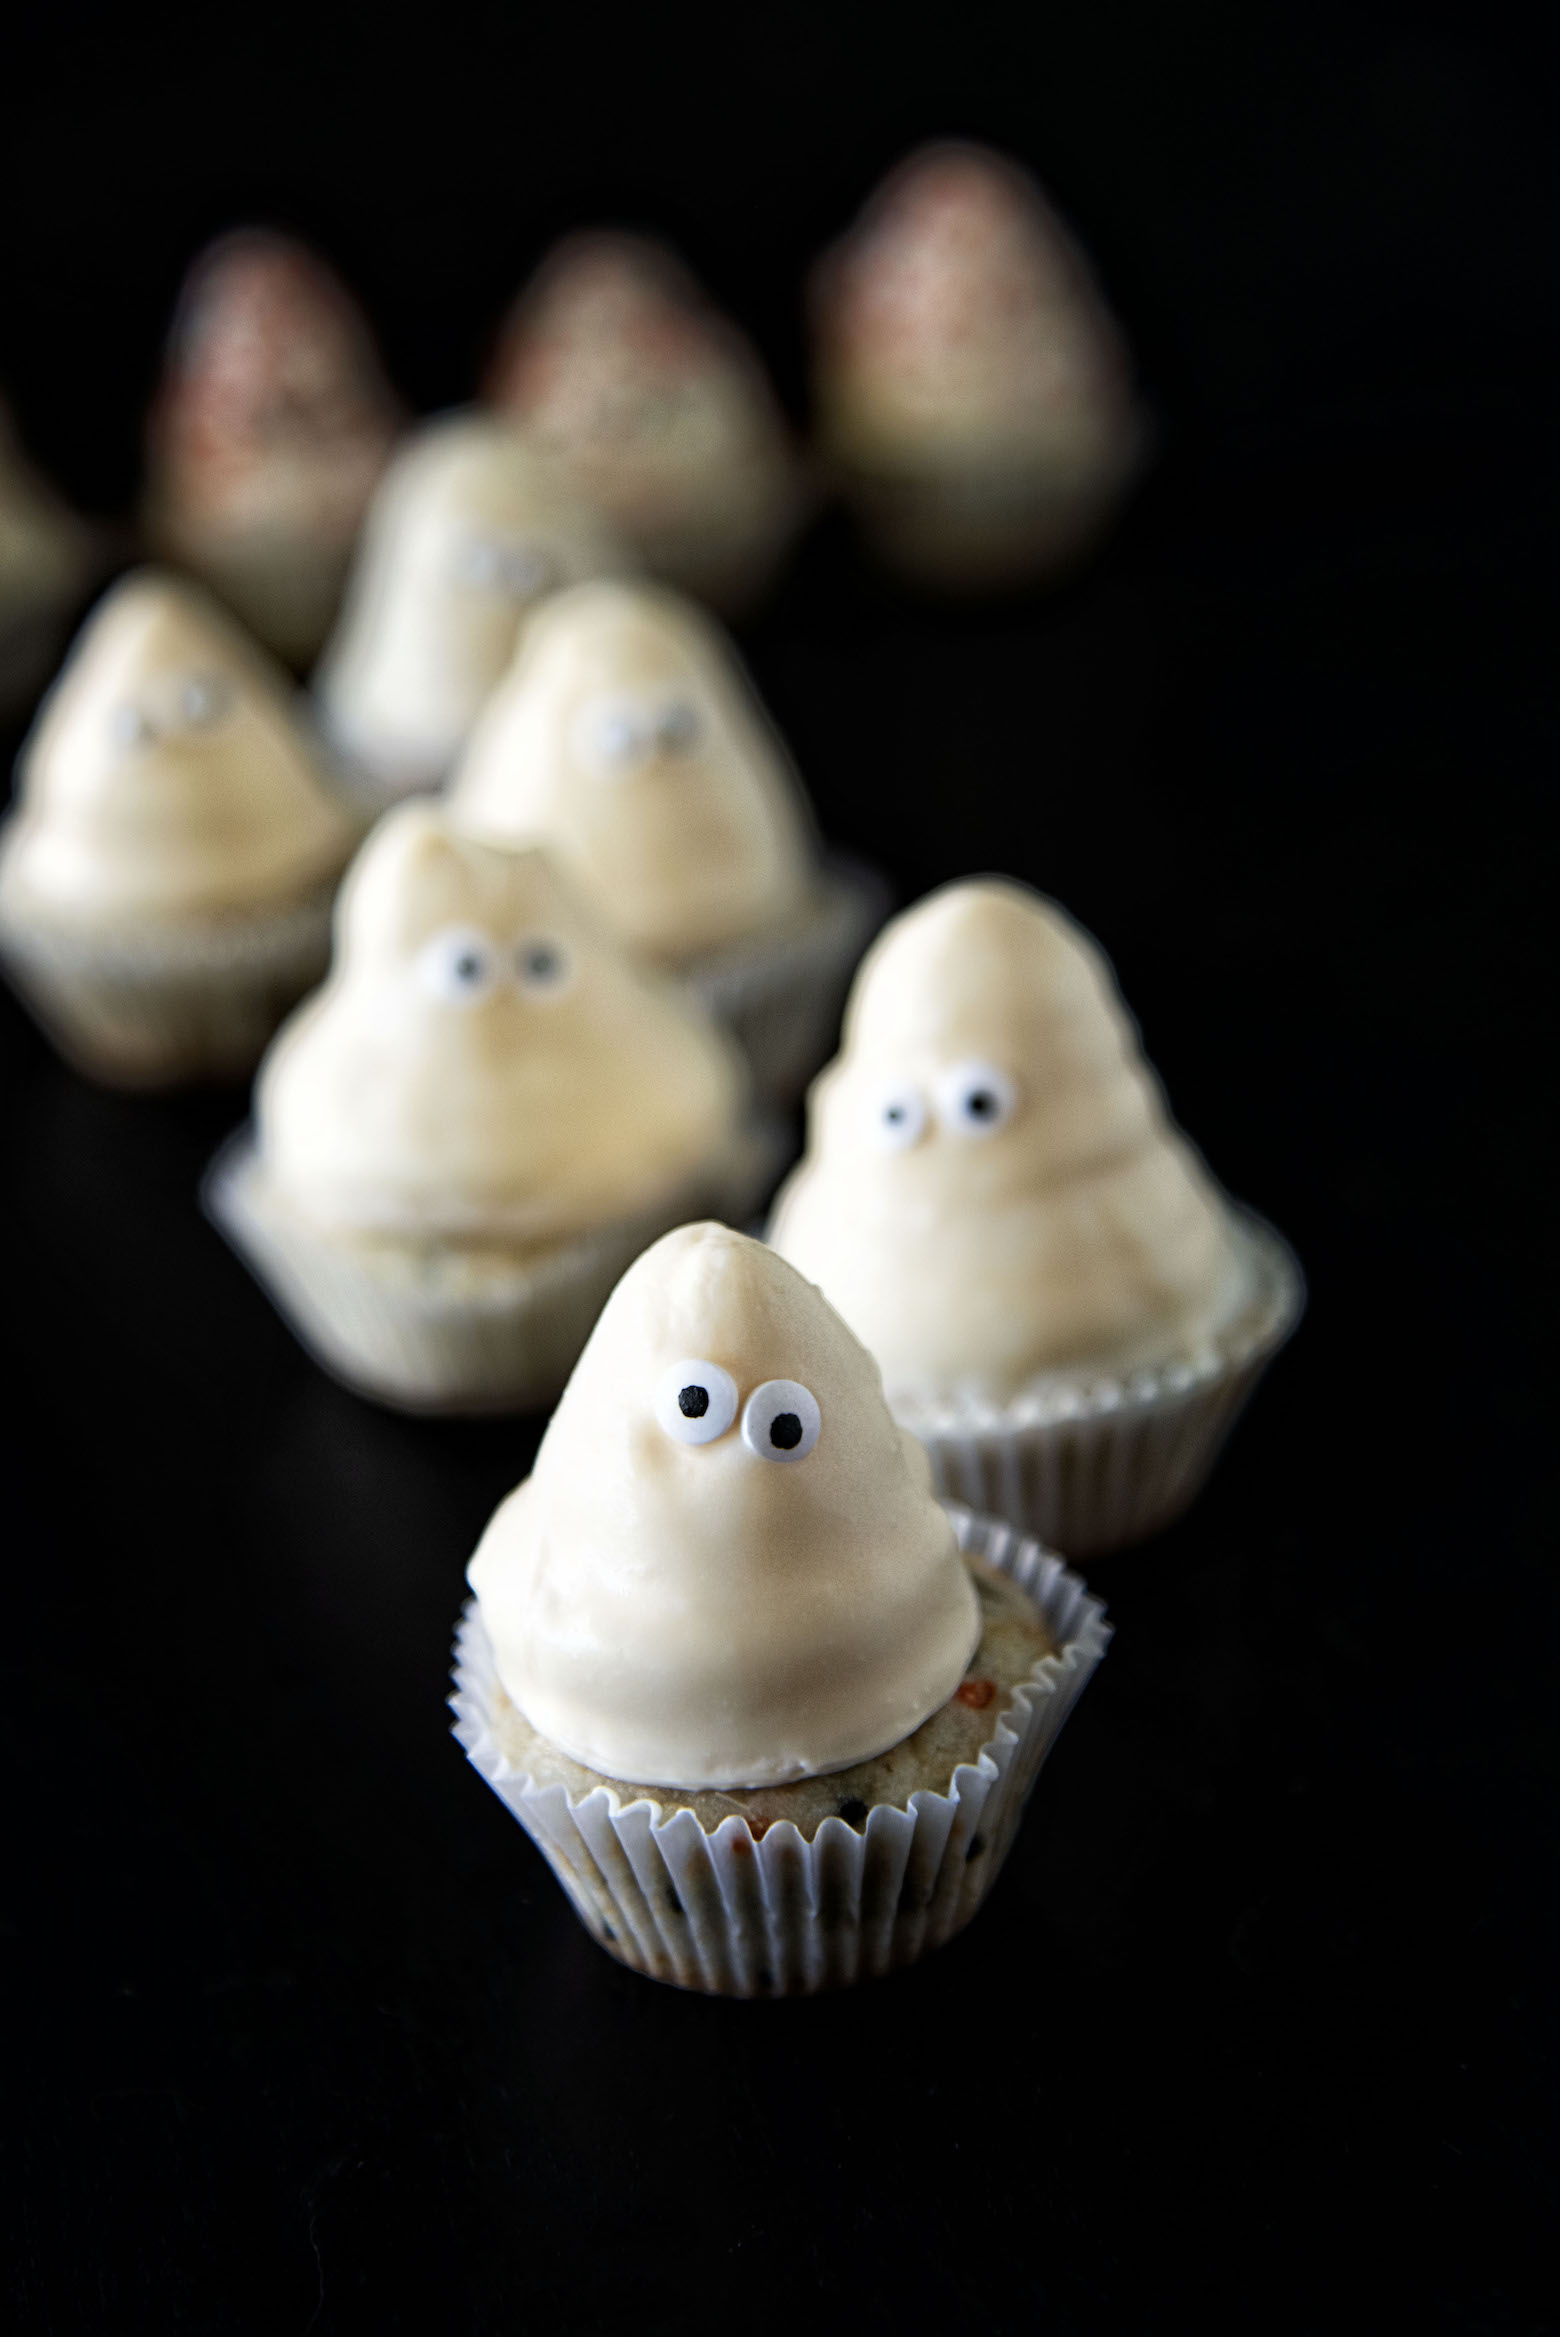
point(466, 1135)
point(726, 1662)
point(627, 737)
point(47, 560)
point(167, 870)
point(471, 528)
point(973, 394)
point(267, 437)
point(658, 408)
point(1067, 1310)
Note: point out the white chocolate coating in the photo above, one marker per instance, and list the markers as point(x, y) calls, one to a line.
point(958, 322)
point(627, 739)
point(695, 1614)
point(404, 1099)
point(993, 1188)
point(166, 776)
point(470, 528)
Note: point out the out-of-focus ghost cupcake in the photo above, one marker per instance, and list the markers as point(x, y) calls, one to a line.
point(1066, 1308)
point(726, 1663)
point(973, 393)
point(470, 529)
point(659, 409)
point(466, 1135)
point(47, 560)
point(268, 436)
point(627, 737)
point(167, 871)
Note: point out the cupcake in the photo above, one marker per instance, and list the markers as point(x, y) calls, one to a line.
point(47, 559)
point(267, 437)
point(659, 409)
point(469, 530)
point(973, 394)
point(726, 1662)
point(1067, 1310)
point(627, 737)
point(167, 871)
point(466, 1135)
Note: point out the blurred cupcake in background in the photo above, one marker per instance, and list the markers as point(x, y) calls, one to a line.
point(48, 558)
point(467, 1134)
point(629, 740)
point(1067, 1310)
point(729, 1664)
point(973, 393)
point(471, 528)
point(659, 409)
point(167, 871)
point(267, 436)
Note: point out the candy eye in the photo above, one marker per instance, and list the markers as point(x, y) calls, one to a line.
point(781, 1421)
point(458, 965)
point(542, 966)
point(678, 728)
point(898, 1119)
point(129, 728)
point(613, 736)
point(975, 1099)
point(696, 1401)
point(204, 699)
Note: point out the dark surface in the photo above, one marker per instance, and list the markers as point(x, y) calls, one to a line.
point(1258, 2024)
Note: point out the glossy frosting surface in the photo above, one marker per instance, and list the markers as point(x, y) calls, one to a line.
point(993, 1188)
point(627, 738)
point(483, 1061)
point(699, 1614)
point(166, 773)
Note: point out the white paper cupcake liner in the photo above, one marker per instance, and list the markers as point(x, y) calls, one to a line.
point(159, 1008)
point(730, 1915)
point(1095, 1463)
point(781, 996)
point(425, 1329)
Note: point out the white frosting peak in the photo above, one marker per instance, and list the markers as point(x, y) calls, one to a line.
point(470, 528)
point(778, 1599)
point(992, 1187)
point(484, 1063)
point(627, 738)
point(165, 774)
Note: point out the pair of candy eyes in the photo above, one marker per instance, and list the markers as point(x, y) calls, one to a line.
point(696, 1401)
point(970, 1100)
point(618, 735)
point(461, 965)
point(202, 702)
point(520, 570)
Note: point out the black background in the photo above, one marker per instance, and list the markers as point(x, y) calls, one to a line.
point(1257, 2028)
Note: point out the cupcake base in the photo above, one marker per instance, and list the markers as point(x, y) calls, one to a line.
point(173, 1005)
point(425, 1327)
point(731, 1913)
point(781, 995)
point(1093, 1463)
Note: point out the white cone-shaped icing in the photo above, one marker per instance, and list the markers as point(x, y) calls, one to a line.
point(470, 528)
point(483, 1061)
point(627, 738)
point(993, 1188)
point(656, 404)
point(736, 1611)
point(166, 775)
point(44, 549)
point(957, 321)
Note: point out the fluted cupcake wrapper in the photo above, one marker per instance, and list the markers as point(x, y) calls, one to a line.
point(1105, 1462)
point(776, 1915)
point(781, 995)
point(424, 1328)
point(171, 1004)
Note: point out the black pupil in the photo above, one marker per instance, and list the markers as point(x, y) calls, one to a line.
point(785, 1430)
point(693, 1402)
point(894, 1113)
point(981, 1104)
point(468, 966)
point(541, 964)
